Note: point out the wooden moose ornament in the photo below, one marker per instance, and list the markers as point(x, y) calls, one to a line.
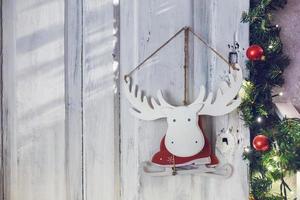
point(185, 148)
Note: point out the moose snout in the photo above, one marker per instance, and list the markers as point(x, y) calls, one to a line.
point(184, 144)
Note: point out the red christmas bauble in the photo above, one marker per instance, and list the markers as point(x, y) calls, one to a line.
point(255, 52)
point(261, 143)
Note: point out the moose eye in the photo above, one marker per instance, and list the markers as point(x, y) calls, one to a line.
point(174, 120)
point(189, 119)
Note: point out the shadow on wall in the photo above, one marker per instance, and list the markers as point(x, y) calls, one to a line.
point(40, 54)
point(41, 88)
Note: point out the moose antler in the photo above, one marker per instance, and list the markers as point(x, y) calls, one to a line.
point(224, 101)
point(141, 107)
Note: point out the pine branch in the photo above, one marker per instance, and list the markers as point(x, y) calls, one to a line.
point(284, 156)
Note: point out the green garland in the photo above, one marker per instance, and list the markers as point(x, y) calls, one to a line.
point(284, 155)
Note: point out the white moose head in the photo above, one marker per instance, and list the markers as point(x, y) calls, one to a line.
point(184, 137)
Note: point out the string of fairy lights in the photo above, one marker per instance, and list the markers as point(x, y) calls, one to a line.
point(275, 148)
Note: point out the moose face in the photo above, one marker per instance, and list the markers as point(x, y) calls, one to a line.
point(184, 137)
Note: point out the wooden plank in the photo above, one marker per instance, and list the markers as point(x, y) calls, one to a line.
point(100, 100)
point(1, 109)
point(200, 75)
point(128, 138)
point(298, 184)
point(33, 100)
point(145, 26)
point(8, 99)
point(226, 26)
point(73, 97)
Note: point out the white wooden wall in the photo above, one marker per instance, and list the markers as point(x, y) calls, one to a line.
point(59, 102)
point(66, 132)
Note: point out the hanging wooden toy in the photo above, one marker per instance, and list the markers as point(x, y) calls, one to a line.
point(185, 149)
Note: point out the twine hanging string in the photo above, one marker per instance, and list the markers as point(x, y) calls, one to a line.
point(186, 65)
point(213, 50)
point(186, 29)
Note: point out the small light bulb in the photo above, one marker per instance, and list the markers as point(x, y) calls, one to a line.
point(277, 25)
point(259, 119)
point(270, 168)
point(280, 93)
point(276, 158)
point(247, 150)
point(270, 46)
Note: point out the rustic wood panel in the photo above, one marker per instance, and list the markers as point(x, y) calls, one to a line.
point(100, 101)
point(145, 25)
point(73, 60)
point(1, 109)
point(8, 100)
point(60, 103)
point(60, 99)
point(226, 27)
point(34, 109)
